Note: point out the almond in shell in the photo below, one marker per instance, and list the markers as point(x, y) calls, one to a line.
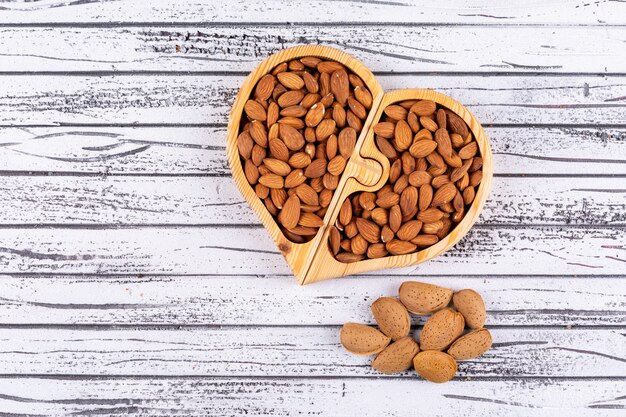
point(397, 357)
point(422, 298)
point(392, 317)
point(441, 329)
point(362, 340)
point(435, 366)
point(471, 305)
point(471, 345)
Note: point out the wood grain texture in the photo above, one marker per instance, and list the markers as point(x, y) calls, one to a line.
point(292, 351)
point(122, 200)
point(240, 300)
point(245, 250)
point(206, 99)
point(388, 48)
point(181, 12)
point(110, 151)
point(228, 396)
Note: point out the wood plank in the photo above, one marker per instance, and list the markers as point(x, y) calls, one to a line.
point(291, 351)
point(387, 48)
point(201, 150)
point(228, 396)
point(185, 99)
point(277, 300)
point(64, 200)
point(246, 250)
point(314, 11)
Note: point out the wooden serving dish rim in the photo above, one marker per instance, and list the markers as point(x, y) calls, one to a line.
point(313, 261)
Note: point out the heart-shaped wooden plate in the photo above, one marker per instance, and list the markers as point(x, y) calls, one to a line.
point(366, 170)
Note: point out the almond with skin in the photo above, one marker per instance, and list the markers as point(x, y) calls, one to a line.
point(359, 338)
point(435, 366)
point(255, 111)
point(264, 87)
point(471, 345)
point(316, 169)
point(471, 305)
point(368, 229)
point(340, 86)
point(346, 141)
point(422, 298)
point(409, 230)
point(400, 247)
point(272, 181)
point(444, 194)
point(403, 136)
point(315, 115)
point(292, 138)
point(290, 80)
point(279, 150)
point(364, 96)
point(290, 214)
point(422, 148)
point(385, 129)
point(441, 329)
point(277, 166)
point(397, 357)
point(423, 108)
point(392, 317)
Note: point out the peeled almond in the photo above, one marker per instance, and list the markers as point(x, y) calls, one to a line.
point(392, 318)
point(471, 305)
point(471, 345)
point(421, 298)
point(435, 366)
point(441, 329)
point(362, 340)
point(397, 357)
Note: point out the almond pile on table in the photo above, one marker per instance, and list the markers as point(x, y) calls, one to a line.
point(442, 342)
point(301, 127)
point(436, 168)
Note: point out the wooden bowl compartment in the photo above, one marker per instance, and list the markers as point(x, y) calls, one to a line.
point(366, 170)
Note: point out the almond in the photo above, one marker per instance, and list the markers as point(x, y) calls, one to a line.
point(290, 80)
point(408, 200)
point(409, 230)
point(346, 142)
point(429, 124)
point(294, 111)
point(315, 115)
point(368, 229)
point(400, 247)
point(254, 110)
point(376, 250)
point(357, 108)
point(395, 218)
point(336, 165)
point(385, 129)
point(299, 160)
point(290, 214)
point(388, 200)
point(444, 146)
point(245, 143)
point(468, 195)
point(362, 340)
point(456, 124)
point(310, 220)
point(251, 172)
point(392, 317)
point(422, 148)
point(471, 305)
point(364, 96)
point(278, 149)
point(329, 66)
point(316, 169)
point(272, 181)
point(348, 257)
point(471, 345)
point(277, 166)
point(444, 194)
point(295, 178)
point(403, 136)
point(435, 366)
point(264, 87)
point(422, 298)
point(468, 151)
point(324, 129)
point(310, 82)
point(334, 239)
point(419, 178)
point(441, 329)
point(258, 133)
point(292, 138)
point(424, 241)
point(397, 357)
point(340, 85)
point(339, 115)
point(423, 108)
point(290, 98)
point(345, 213)
point(430, 215)
point(396, 112)
point(307, 195)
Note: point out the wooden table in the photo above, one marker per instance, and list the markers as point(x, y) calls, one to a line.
point(136, 281)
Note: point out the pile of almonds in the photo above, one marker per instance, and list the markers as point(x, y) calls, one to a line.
point(300, 128)
point(441, 342)
point(435, 169)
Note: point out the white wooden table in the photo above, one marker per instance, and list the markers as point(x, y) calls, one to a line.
point(137, 281)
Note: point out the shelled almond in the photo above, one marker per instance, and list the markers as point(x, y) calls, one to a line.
point(442, 341)
point(300, 128)
point(435, 169)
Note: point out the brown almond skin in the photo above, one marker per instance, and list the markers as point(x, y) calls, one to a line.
point(397, 357)
point(471, 345)
point(422, 298)
point(361, 339)
point(435, 366)
point(469, 303)
point(441, 329)
point(392, 317)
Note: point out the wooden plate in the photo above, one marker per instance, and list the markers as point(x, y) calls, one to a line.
point(367, 170)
